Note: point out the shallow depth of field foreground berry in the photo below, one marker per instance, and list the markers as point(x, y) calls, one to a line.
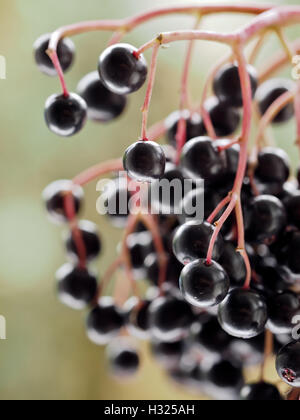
point(211, 297)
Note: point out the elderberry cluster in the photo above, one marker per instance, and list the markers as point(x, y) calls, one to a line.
point(204, 326)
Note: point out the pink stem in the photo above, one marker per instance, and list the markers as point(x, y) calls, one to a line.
point(219, 226)
point(149, 91)
point(56, 63)
point(241, 242)
point(181, 135)
point(219, 208)
point(280, 60)
point(108, 276)
point(129, 24)
point(247, 119)
point(97, 171)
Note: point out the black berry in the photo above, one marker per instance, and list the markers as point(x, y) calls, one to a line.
point(65, 116)
point(204, 285)
point(103, 105)
point(90, 238)
point(227, 84)
point(269, 92)
point(54, 198)
point(243, 314)
point(77, 287)
point(65, 53)
point(145, 161)
point(191, 242)
point(104, 322)
point(121, 70)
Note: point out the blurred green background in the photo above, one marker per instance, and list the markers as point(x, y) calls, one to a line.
point(47, 355)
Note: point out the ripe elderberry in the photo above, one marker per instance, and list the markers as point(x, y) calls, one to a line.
point(91, 240)
point(105, 321)
point(121, 70)
point(204, 285)
point(55, 199)
point(65, 53)
point(145, 161)
point(194, 126)
point(191, 242)
point(269, 92)
point(227, 84)
point(65, 115)
point(288, 364)
point(170, 319)
point(200, 159)
point(103, 105)
point(261, 391)
point(224, 118)
point(282, 308)
point(123, 357)
point(243, 314)
point(77, 287)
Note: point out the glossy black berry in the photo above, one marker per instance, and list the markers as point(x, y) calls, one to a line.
point(77, 287)
point(194, 126)
point(121, 70)
point(282, 309)
point(269, 92)
point(273, 166)
point(226, 375)
point(104, 322)
point(261, 391)
point(288, 364)
point(225, 119)
point(91, 240)
point(65, 116)
point(201, 159)
point(233, 263)
point(103, 105)
point(123, 357)
point(65, 53)
point(55, 199)
point(211, 337)
point(191, 242)
point(243, 314)
point(268, 219)
point(145, 161)
point(204, 285)
point(170, 319)
point(227, 84)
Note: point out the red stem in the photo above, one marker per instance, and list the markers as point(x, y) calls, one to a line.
point(149, 93)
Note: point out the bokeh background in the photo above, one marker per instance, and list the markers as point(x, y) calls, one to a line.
point(47, 355)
